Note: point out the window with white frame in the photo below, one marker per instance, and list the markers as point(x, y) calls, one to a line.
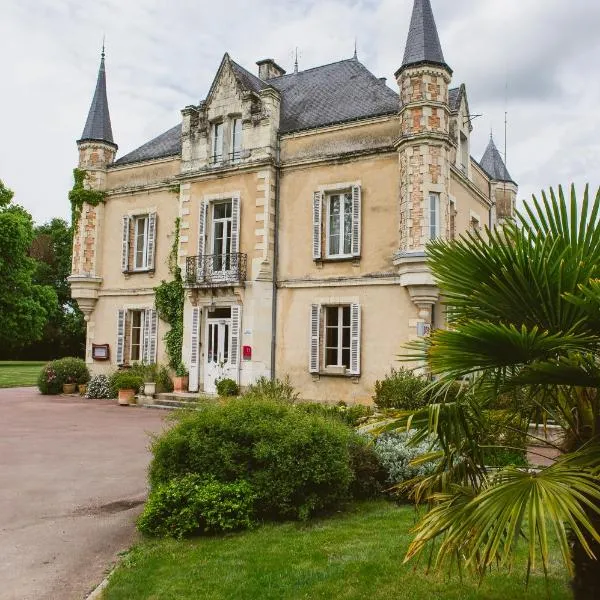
point(222, 228)
point(140, 254)
point(217, 142)
point(137, 335)
point(138, 242)
point(337, 336)
point(337, 223)
point(236, 139)
point(434, 215)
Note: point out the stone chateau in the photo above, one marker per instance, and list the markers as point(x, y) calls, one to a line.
point(304, 202)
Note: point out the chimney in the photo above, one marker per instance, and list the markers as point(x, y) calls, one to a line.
point(268, 69)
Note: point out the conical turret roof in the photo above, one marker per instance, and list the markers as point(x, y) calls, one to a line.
point(493, 164)
point(98, 127)
point(423, 43)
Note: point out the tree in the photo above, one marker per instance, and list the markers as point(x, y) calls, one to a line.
point(25, 307)
point(524, 310)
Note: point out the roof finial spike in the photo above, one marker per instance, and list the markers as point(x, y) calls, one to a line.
point(103, 40)
point(296, 61)
point(355, 49)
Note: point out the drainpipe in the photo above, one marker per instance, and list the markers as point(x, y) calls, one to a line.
point(275, 259)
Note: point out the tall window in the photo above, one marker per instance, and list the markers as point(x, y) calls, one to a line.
point(236, 139)
point(434, 215)
point(140, 231)
point(137, 328)
point(217, 142)
point(221, 235)
point(337, 336)
point(339, 225)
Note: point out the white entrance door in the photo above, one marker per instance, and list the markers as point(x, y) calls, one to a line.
point(217, 359)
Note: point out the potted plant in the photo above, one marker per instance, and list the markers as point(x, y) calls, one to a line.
point(70, 385)
point(150, 376)
point(181, 379)
point(128, 385)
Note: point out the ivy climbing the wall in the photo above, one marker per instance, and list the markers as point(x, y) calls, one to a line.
point(169, 298)
point(81, 195)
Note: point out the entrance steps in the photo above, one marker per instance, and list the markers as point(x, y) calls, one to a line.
point(176, 400)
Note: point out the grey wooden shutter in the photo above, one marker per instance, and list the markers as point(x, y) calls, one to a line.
point(201, 240)
point(195, 350)
point(356, 218)
point(125, 245)
point(315, 325)
point(120, 353)
point(355, 326)
point(146, 338)
point(235, 225)
point(317, 217)
point(153, 343)
point(151, 242)
point(236, 314)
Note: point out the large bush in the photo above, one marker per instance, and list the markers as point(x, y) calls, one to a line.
point(191, 504)
point(227, 387)
point(99, 387)
point(401, 389)
point(58, 372)
point(297, 463)
point(369, 474)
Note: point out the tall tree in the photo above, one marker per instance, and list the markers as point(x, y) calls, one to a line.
point(25, 307)
point(524, 310)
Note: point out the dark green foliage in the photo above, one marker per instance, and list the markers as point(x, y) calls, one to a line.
point(124, 380)
point(58, 372)
point(401, 389)
point(273, 389)
point(505, 438)
point(297, 463)
point(352, 415)
point(369, 474)
point(181, 370)
point(80, 195)
point(192, 504)
point(227, 387)
point(156, 373)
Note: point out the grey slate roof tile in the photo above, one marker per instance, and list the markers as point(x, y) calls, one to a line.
point(454, 98)
point(97, 126)
point(493, 164)
point(166, 144)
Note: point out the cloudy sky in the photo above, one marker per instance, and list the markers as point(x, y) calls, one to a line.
point(538, 59)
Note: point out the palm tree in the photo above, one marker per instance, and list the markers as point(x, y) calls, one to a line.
point(524, 322)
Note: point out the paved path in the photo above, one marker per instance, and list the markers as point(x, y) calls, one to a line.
point(72, 480)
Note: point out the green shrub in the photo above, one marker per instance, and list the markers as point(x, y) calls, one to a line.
point(506, 438)
point(227, 387)
point(351, 415)
point(124, 380)
point(164, 383)
point(181, 370)
point(297, 463)
point(153, 372)
point(64, 370)
point(369, 474)
point(99, 387)
point(191, 505)
point(273, 389)
point(401, 389)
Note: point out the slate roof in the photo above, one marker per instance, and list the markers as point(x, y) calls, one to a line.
point(493, 164)
point(98, 127)
point(335, 93)
point(423, 43)
point(454, 98)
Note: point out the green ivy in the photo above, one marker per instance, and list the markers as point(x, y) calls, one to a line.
point(169, 298)
point(81, 195)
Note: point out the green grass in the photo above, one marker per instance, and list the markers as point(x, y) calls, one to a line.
point(356, 555)
point(19, 373)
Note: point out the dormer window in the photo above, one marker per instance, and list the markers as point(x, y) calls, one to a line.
point(236, 139)
point(217, 142)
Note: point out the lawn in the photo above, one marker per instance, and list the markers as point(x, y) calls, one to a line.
point(352, 556)
point(19, 373)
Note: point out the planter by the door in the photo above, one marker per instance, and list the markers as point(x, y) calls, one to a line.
point(126, 397)
point(82, 388)
point(149, 388)
point(180, 384)
point(69, 388)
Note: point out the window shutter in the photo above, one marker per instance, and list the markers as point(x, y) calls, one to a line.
point(201, 240)
point(152, 315)
point(195, 350)
point(356, 218)
point(146, 338)
point(235, 226)
point(151, 242)
point(317, 210)
point(354, 339)
point(236, 313)
point(125, 245)
point(121, 336)
point(315, 325)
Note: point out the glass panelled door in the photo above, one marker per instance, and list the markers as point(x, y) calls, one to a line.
point(221, 236)
point(217, 356)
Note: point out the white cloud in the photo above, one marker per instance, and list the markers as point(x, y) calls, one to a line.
point(163, 55)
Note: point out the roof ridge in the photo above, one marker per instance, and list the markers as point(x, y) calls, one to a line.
point(335, 62)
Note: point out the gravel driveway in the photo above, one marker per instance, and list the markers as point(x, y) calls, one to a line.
point(72, 481)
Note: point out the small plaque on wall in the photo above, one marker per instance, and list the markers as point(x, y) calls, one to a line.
point(100, 352)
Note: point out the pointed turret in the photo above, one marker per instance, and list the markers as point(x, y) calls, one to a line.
point(493, 164)
point(423, 43)
point(98, 127)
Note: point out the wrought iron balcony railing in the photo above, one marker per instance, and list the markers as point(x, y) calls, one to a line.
point(215, 270)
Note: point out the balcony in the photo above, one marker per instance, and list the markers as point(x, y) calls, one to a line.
point(215, 270)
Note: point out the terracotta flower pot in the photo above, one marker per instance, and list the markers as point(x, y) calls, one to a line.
point(69, 388)
point(126, 397)
point(82, 388)
point(180, 384)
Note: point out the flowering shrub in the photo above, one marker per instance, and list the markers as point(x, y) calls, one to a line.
point(395, 454)
point(61, 371)
point(48, 381)
point(99, 387)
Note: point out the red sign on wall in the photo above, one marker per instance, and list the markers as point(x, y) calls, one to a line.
point(247, 352)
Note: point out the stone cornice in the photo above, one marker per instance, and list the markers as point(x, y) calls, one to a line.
point(339, 158)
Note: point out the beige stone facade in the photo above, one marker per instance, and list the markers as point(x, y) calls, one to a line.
point(302, 247)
